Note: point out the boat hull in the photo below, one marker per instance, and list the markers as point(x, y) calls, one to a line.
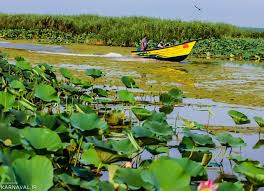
point(175, 53)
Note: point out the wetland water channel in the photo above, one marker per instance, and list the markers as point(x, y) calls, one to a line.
point(215, 86)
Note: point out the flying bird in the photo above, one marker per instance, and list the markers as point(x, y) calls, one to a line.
point(199, 9)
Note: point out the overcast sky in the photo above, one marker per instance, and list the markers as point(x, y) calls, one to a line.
point(239, 12)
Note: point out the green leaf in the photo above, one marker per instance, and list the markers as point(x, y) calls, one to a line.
point(194, 169)
point(129, 82)
point(141, 113)
point(69, 180)
point(259, 144)
point(36, 172)
point(225, 186)
point(100, 92)
point(90, 157)
point(177, 179)
point(66, 73)
point(228, 140)
point(7, 100)
point(126, 96)
point(175, 95)
point(131, 177)
point(42, 138)
point(199, 139)
point(94, 73)
point(23, 65)
point(238, 117)
point(17, 85)
point(87, 122)
point(156, 149)
point(10, 136)
point(46, 93)
point(259, 121)
point(253, 173)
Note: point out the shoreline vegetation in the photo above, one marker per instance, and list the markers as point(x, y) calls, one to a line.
point(218, 40)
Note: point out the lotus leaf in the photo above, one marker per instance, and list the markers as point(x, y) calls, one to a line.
point(69, 180)
point(7, 100)
point(178, 179)
point(259, 144)
point(199, 139)
point(23, 65)
point(90, 157)
point(253, 173)
point(126, 96)
point(133, 178)
point(42, 138)
point(175, 95)
point(259, 120)
point(87, 122)
point(36, 172)
point(46, 93)
point(100, 92)
point(228, 140)
point(17, 85)
point(10, 136)
point(231, 186)
point(129, 82)
point(94, 73)
point(156, 149)
point(66, 73)
point(141, 113)
point(238, 117)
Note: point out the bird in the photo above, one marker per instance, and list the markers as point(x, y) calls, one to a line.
point(199, 9)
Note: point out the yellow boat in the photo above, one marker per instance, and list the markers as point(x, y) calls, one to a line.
point(173, 53)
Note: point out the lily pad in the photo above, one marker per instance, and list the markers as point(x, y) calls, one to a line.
point(133, 178)
point(238, 117)
point(174, 96)
point(10, 136)
point(36, 173)
point(129, 82)
point(141, 113)
point(46, 93)
point(178, 179)
point(259, 121)
point(87, 122)
point(17, 85)
point(66, 73)
point(199, 139)
point(253, 173)
point(23, 65)
point(231, 186)
point(156, 149)
point(259, 144)
point(90, 157)
point(42, 138)
point(228, 140)
point(100, 92)
point(7, 100)
point(94, 73)
point(126, 96)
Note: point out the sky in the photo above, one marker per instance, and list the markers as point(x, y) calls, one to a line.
point(246, 13)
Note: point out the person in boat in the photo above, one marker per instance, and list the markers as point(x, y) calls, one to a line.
point(144, 43)
point(161, 45)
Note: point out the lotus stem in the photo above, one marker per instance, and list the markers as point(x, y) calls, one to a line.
point(251, 187)
point(218, 153)
point(191, 152)
point(223, 155)
point(78, 151)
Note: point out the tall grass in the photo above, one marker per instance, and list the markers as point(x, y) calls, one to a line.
point(124, 31)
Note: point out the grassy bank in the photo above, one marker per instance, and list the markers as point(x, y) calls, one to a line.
point(120, 31)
